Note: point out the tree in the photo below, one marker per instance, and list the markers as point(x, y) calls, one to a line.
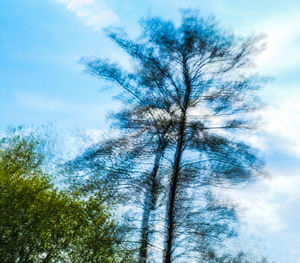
point(41, 224)
point(127, 165)
point(196, 76)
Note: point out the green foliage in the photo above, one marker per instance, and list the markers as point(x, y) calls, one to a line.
point(38, 223)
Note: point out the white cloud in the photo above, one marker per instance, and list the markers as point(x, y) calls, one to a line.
point(287, 185)
point(282, 123)
point(265, 203)
point(282, 35)
point(92, 12)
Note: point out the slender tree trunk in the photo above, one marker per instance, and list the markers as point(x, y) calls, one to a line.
point(175, 173)
point(149, 205)
point(171, 203)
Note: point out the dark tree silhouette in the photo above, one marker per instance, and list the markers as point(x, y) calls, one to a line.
point(192, 91)
point(128, 165)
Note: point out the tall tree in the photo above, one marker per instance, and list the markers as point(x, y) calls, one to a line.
point(196, 76)
point(132, 161)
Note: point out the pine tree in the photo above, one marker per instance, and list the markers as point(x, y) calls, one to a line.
point(195, 79)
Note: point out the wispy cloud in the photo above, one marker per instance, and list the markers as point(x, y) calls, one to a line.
point(92, 12)
point(268, 200)
point(282, 39)
point(282, 123)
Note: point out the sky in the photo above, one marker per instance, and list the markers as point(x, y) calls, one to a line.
point(42, 81)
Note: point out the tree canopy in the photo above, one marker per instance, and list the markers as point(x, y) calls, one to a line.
point(42, 224)
point(188, 96)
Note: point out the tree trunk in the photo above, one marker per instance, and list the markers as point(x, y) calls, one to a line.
point(149, 205)
point(176, 167)
point(171, 202)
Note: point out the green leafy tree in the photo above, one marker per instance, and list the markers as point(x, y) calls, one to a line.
point(38, 223)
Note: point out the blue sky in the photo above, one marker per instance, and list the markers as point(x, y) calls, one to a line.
point(41, 42)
